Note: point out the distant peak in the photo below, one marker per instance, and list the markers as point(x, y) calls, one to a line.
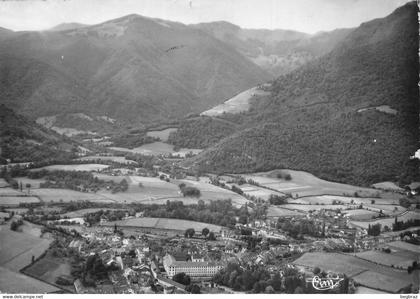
point(67, 26)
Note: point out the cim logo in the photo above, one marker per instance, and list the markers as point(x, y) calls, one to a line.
point(329, 282)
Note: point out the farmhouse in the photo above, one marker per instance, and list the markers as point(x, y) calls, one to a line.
point(195, 270)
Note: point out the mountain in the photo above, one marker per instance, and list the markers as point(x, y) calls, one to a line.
point(133, 69)
point(22, 140)
point(277, 51)
point(67, 26)
point(350, 115)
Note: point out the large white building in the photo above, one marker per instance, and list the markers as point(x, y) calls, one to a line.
point(195, 270)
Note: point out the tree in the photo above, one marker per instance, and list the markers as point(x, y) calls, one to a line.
point(211, 237)
point(189, 233)
point(182, 278)
point(193, 289)
point(205, 232)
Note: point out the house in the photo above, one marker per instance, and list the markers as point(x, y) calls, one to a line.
point(4, 217)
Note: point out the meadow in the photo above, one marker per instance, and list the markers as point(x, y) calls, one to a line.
point(165, 223)
point(366, 273)
point(65, 195)
point(162, 134)
point(387, 221)
point(305, 184)
point(117, 159)
point(74, 167)
point(157, 148)
point(17, 248)
point(16, 200)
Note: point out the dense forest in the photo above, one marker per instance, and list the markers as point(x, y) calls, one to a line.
point(314, 120)
point(200, 132)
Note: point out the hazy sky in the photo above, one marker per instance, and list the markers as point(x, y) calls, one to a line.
point(302, 15)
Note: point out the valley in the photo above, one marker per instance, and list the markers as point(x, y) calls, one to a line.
point(147, 156)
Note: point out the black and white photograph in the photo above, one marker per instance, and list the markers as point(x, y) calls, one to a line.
point(216, 147)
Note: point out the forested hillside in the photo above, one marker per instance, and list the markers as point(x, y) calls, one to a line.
point(22, 140)
point(200, 132)
point(316, 119)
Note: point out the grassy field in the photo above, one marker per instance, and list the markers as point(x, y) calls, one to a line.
point(236, 104)
point(49, 269)
point(162, 134)
point(9, 192)
point(64, 195)
point(274, 211)
point(82, 212)
point(258, 192)
point(368, 274)
point(387, 221)
point(383, 282)
point(212, 192)
point(388, 259)
point(3, 183)
point(165, 223)
point(157, 191)
point(14, 282)
point(17, 248)
point(74, 167)
point(306, 208)
point(360, 214)
point(117, 159)
point(305, 184)
point(157, 148)
point(16, 200)
point(34, 182)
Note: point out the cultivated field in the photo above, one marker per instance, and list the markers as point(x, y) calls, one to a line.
point(387, 259)
point(258, 192)
point(275, 211)
point(152, 189)
point(387, 221)
point(17, 248)
point(3, 183)
point(65, 195)
point(16, 200)
point(156, 191)
point(9, 192)
point(14, 282)
point(157, 148)
point(162, 134)
point(360, 214)
point(74, 167)
point(212, 192)
point(366, 273)
point(306, 208)
point(82, 212)
point(34, 182)
point(305, 184)
point(49, 268)
point(117, 159)
point(165, 223)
